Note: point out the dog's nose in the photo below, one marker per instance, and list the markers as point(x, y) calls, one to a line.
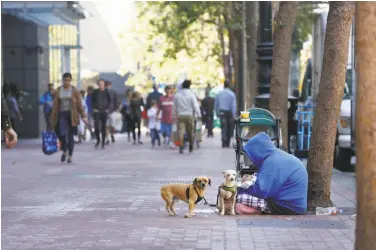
point(232, 179)
point(202, 184)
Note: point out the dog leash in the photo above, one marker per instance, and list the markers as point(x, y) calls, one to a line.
point(206, 202)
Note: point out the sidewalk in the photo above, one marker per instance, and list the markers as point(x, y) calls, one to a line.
point(110, 199)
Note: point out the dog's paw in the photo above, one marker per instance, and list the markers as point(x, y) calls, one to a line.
point(232, 213)
point(187, 215)
point(222, 213)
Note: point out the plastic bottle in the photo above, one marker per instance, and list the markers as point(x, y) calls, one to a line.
point(326, 210)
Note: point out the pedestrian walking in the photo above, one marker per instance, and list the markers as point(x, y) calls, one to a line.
point(207, 105)
point(136, 106)
point(65, 115)
point(165, 109)
point(154, 123)
point(101, 103)
point(186, 109)
point(89, 106)
point(113, 108)
point(46, 101)
point(82, 126)
point(9, 134)
point(225, 108)
point(13, 107)
point(152, 96)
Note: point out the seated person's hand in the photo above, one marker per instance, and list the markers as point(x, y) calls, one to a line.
point(247, 181)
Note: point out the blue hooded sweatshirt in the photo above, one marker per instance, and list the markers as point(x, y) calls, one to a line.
point(281, 177)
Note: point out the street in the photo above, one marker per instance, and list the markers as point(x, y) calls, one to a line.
point(110, 199)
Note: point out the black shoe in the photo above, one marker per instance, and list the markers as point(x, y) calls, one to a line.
point(113, 138)
point(63, 157)
point(140, 142)
point(190, 149)
point(103, 144)
point(107, 142)
point(69, 159)
point(134, 143)
point(97, 144)
point(181, 150)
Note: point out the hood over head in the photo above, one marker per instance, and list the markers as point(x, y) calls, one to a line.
point(258, 148)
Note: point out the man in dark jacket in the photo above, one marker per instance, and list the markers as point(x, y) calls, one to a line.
point(112, 109)
point(101, 103)
point(208, 113)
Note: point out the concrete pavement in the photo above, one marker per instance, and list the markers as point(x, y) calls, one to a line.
point(109, 199)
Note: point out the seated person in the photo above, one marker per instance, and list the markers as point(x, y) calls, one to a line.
point(282, 179)
point(247, 204)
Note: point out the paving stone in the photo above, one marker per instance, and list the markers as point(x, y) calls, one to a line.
point(109, 199)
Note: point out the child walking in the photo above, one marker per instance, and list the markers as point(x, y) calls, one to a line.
point(154, 123)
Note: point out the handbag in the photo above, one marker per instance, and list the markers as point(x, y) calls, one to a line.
point(50, 143)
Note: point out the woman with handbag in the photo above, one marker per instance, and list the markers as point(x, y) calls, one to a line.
point(65, 115)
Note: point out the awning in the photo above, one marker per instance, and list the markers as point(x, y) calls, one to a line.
point(46, 13)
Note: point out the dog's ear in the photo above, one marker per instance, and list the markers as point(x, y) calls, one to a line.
point(209, 182)
point(223, 172)
point(195, 181)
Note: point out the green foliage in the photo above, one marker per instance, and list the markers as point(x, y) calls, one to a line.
point(304, 22)
point(171, 39)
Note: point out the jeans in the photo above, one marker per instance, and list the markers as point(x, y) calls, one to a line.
point(66, 132)
point(209, 125)
point(155, 136)
point(226, 126)
point(166, 129)
point(137, 124)
point(100, 123)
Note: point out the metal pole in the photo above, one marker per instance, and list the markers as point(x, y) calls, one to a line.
point(241, 75)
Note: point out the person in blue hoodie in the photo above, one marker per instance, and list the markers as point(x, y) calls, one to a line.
point(46, 101)
point(282, 179)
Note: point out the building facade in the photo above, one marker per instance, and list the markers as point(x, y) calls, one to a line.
point(40, 41)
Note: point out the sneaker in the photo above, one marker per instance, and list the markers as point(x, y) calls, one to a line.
point(181, 150)
point(113, 138)
point(134, 143)
point(103, 144)
point(140, 142)
point(69, 159)
point(96, 144)
point(190, 149)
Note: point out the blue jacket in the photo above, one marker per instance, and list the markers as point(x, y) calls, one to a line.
point(88, 104)
point(225, 100)
point(46, 97)
point(281, 177)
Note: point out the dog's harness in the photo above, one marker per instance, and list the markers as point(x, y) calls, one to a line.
point(199, 198)
point(229, 189)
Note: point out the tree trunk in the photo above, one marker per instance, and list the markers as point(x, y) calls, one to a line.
point(281, 64)
point(365, 125)
point(336, 49)
point(232, 40)
point(252, 20)
point(223, 48)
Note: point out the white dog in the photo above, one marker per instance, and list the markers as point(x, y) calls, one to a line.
point(227, 193)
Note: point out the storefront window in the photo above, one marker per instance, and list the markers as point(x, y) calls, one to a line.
point(62, 38)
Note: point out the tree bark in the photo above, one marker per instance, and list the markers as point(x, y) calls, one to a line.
point(366, 125)
point(320, 158)
point(252, 20)
point(281, 63)
point(233, 39)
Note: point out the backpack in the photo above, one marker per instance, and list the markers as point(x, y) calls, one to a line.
point(49, 143)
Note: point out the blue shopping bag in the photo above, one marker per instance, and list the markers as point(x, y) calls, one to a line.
point(49, 143)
